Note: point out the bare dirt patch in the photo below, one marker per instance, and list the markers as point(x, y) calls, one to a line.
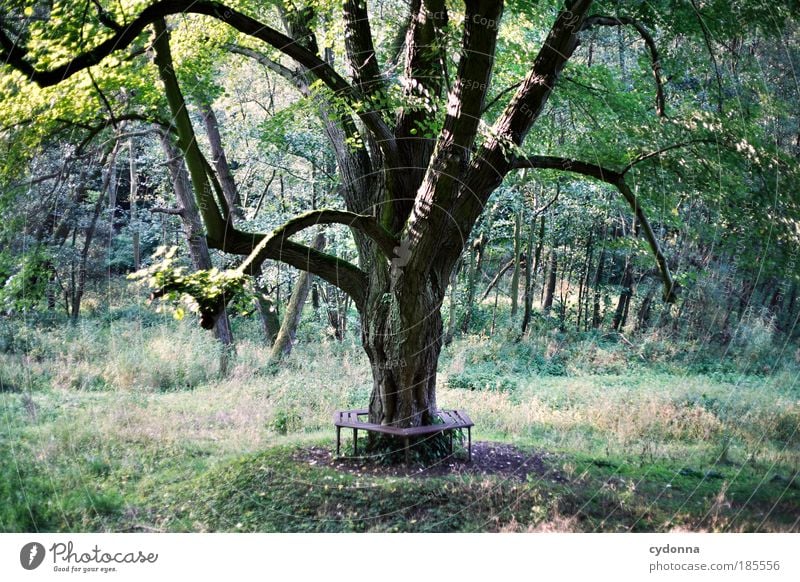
point(487, 459)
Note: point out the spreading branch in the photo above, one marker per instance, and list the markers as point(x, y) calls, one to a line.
point(655, 59)
point(616, 179)
point(334, 270)
point(17, 56)
point(365, 223)
point(654, 154)
point(493, 160)
point(431, 213)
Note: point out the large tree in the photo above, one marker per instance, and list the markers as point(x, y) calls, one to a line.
point(421, 141)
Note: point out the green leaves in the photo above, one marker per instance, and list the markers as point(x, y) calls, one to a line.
point(204, 293)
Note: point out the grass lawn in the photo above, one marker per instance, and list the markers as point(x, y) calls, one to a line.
point(126, 427)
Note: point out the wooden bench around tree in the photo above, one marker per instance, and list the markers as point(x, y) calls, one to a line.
point(451, 420)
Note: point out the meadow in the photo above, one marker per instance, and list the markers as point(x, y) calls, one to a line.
point(122, 422)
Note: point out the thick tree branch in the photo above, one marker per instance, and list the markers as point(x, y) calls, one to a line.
point(334, 270)
point(599, 20)
point(431, 214)
point(616, 179)
point(568, 165)
point(16, 56)
point(360, 49)
point(423, 83)
point(493, 160)
point(366, 224)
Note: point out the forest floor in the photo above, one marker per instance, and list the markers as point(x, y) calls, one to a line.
point(125, 425)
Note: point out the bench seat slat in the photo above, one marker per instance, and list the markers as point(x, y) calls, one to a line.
point(451, 419)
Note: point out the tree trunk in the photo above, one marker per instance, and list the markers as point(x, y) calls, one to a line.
point(529, 271)
point(195, 238)
point(220, 160)
point(137, 260)
point(598, 279)
point(269, 319)
point(620, 315)
point(476, 260)
point(80, 283)
point(583, 284)
point(291, 317)
point(517, 252)
point(643, 317)
point(551, 282)
point(402, 335)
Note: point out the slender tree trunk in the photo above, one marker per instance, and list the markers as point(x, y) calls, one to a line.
point(133, 199)
point(268, 316)
point(196, 239)
point(79, 282)
point(494, 310)
point(598, 279)
point(537, 259)
point(564, 288)
point(526, 316)
point(315, 298)
point(583, 284)
point(69, 299)
point(476, 261)
point(336, 312)
point(517, 253)
point(552, 270)
point(220, 160)
point(643, 317)
point(621, 313)
point(291, 317)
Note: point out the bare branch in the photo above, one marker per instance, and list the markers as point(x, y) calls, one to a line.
point(644, 157)
point(170, 211)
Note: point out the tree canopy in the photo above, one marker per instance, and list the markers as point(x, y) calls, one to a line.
point(422, 127)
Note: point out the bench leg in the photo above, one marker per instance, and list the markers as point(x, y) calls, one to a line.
point(450, 433)
point(338, 439)
point(408, 451)
point(469, 441)
point(355, 442)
